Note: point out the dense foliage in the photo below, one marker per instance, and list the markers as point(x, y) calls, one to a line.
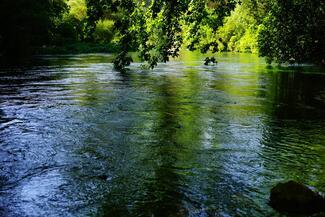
point(282, 31)
point(157, 28)
point(55, 26)
point(294, 30)
point(26, 24)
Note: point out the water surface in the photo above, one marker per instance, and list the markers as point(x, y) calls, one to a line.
point(80, 139)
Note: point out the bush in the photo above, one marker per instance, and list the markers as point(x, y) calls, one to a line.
point(239, 31)
point(104, 31)
point(78, 9)
point(293, 31)
point(70, 28)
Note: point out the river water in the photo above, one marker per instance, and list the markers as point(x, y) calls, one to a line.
point(80, 139)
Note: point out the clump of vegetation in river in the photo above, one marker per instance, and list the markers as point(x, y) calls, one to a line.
point(282, 31)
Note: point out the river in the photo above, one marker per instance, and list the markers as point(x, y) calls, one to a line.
point(80, 139)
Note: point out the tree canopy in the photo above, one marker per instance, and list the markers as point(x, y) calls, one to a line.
point(156, 28)
point(281, 31)
point(293, 30)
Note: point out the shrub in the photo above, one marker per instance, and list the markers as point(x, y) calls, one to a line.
point(104, 31)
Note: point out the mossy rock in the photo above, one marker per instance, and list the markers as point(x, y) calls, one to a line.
point(293, 197)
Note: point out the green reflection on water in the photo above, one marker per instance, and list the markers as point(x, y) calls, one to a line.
point(182, 140)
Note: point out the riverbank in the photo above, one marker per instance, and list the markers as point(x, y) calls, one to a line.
point(78, 48)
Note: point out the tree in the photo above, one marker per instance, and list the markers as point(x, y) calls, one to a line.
point(155, 27)
point(25, 24)
point(293, 31)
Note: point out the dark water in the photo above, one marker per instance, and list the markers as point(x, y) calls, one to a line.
point(79, 139)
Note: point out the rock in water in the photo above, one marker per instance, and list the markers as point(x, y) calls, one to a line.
point(292, 60)
point(209, 60)
point(294, 197)
point(213, 60)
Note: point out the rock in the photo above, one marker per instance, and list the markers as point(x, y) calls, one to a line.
point(294, 197)
point(292, 60)
point(102, 177)
point(209, 60)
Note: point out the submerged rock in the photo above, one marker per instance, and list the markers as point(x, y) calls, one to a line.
point(294, 197)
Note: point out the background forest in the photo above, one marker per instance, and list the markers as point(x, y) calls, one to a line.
point(282, 31)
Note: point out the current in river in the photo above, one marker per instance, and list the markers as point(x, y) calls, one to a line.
point(78, 138)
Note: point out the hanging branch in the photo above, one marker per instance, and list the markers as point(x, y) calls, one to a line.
point(155, 27)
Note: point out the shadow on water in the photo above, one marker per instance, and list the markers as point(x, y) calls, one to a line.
point(298, 95)
point(159, 195)
point(152, 184)
point(293, 135)
point(79, 139)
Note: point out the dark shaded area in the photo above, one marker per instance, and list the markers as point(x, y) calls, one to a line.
point(26, 25)
point(293, 31)
point(293, 197)
point(302, 96)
